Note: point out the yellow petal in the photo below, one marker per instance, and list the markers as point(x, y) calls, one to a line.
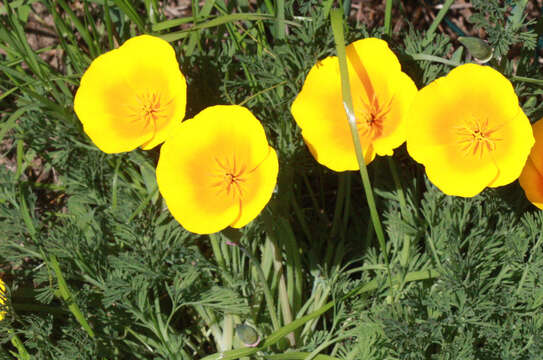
point(318, 110)
point(537, 150)
point(454, 173)
point(468, 91)
point(381, 95)
point(531, 182)
point(469, 131)
point(512, 152)
point(260, 185)
point(120, 85)
point(200, 159)
point(395, 123)
point(376, 66)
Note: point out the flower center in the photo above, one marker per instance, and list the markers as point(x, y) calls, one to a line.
point(150, 108)
point(231, 178)
point(477, 138)
point(370, 117)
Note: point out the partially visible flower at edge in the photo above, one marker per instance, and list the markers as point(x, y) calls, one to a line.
point(3, 299)
point(217, 170)
point(381, 95)
point(531, 178)
point(132, 96)
point(468, 131)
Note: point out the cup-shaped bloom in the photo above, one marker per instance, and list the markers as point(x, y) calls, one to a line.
point(2, 299)
point(531, 178)
point(468, 131)
point(132, 96)
point(217, 170)
point(381, 95)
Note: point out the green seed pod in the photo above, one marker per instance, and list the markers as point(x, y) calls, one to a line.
point(247, 335)
point(478, 48)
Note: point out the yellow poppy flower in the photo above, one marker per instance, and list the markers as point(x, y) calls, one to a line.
point(381, 95)
point(2, 299)
point(469, 131)
point(132, 96)
point(217, 170)
point(531, 178)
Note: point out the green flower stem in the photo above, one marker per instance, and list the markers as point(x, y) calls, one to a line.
point(265, 287)
point(404, 257)
point(340, 198)
point(398, 184)
point(217, 251)
point(15, 341)
point(439, 17)
point(388, 16)
point(283, 294)
point(225, 337)
point(337, 28)
point(211, 322)
point(282, 332)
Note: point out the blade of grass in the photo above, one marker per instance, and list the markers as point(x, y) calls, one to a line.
point(127, 8)
point(337, 28)
point(280, 27)
point(68, 297)
point(388, 16)
point(220, 20)
point(439, 17)
point(82, 30)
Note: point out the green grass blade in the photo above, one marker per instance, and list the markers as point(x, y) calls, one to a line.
point(439, 17)
point(337, 28)
point(388, 16)
point(220, 20)
point(68, 298)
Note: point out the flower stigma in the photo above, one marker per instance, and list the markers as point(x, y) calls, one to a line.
point(476, 138)
point(150, 108)
point(371, 117)
point(231, 179)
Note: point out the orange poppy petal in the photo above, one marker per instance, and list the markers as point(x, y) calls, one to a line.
point(381, 95)
point(211, 164)
point(187, 174)
point(512, 152)
point(395, 123)
point(473, 113)
point(537, 151)
point(468, 91)
point(376, 66)
point(531, 182)
point(318, 110)
point(260, 185)
point(129, 96)
point(445, 163)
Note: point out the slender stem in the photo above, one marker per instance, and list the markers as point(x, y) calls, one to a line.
point(265, 287)
point(340, 198)
point(283, 293)
point(337, 28)
point(217, 251)
point(434, 253)
point(224, 339)
point(439, 17)
point(398, 184)
point(280, 21)
point(527, 80)
point(388, 16)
